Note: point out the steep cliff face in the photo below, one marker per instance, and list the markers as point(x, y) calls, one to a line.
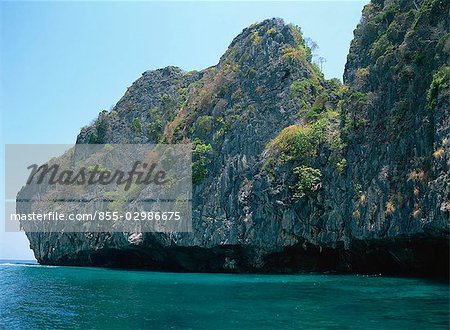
point(396, 123)
point(293, 172)
point(397, 127)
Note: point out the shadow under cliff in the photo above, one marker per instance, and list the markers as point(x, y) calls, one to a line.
point(412, 257)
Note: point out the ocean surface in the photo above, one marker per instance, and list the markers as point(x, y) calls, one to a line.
point(33, 296)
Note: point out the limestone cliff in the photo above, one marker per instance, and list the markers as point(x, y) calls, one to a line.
point(302, 173)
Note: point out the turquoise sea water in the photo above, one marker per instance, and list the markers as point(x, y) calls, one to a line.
point(33, 296)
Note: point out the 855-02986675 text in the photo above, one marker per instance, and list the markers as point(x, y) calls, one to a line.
point(98, 216)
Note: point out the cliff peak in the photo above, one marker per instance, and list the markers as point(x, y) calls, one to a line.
point(268, 41)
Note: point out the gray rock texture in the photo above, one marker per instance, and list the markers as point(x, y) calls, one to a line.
point(304, 174)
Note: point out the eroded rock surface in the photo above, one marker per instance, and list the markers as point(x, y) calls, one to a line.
point(303, 173)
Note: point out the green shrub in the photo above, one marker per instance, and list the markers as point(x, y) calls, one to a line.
point(298, 87)
point(205, 124)
point(97, 168)
point(101, 130)
point(312, 113)
point(154, 130)
point(358, 99)
point(154, 113)
point(298, 146)
point(297, 34)
point(154, 124)
point(316, 69)
point(440, 82)
point(136, 125)
point(307, 180)
point(341, 165)
point(93, 138)
point(305, 86)
point(201, 161)
point(99, 135)
point(380, 47)
point(298, 143)
point(255, 38)
point(400, 109)
point(297, 53)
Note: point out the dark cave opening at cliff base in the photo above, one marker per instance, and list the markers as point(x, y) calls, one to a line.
point(418, 257)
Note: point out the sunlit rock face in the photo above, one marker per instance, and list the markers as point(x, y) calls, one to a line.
point(293, 172)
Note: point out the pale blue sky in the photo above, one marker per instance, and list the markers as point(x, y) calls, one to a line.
point(63, 62)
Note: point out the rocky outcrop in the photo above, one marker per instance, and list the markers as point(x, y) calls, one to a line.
point(302, 174)
point(397, 125)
